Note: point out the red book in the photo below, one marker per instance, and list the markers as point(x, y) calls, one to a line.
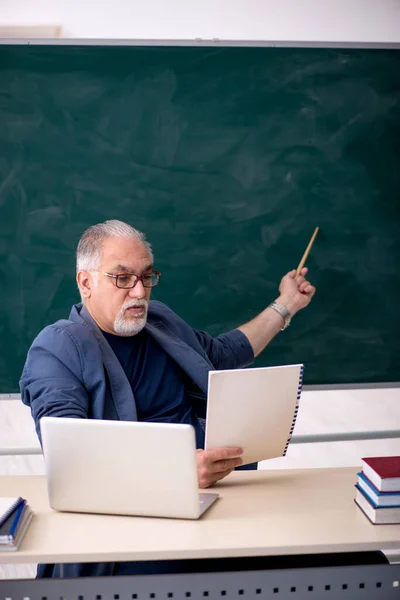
point(383, 472)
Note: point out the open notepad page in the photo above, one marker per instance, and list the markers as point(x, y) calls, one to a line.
point(255, 409)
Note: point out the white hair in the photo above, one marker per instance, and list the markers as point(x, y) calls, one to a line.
point(90, 246)
point(89, 250)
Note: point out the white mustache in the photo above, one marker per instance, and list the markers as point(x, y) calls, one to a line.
point(135, 304)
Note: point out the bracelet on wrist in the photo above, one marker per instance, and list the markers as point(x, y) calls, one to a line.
point(283, 311)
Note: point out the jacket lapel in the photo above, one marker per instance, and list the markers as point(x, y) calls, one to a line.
point(194, 365)
point(120, 387)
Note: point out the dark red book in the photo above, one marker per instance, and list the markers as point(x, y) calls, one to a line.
point(383, 472)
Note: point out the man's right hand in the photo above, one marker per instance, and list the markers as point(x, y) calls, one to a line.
point(213, 465)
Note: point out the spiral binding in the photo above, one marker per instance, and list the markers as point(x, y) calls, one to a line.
point(296, 410)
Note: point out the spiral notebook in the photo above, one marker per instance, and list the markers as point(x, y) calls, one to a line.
point(255, 409)
point(8, 506)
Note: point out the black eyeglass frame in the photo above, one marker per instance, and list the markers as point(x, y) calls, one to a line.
point(116, 276)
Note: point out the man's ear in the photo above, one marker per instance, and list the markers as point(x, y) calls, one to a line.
point(85, 283)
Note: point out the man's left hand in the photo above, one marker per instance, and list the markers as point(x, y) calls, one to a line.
point(296, 291)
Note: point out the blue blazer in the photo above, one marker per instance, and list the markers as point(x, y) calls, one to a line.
point(71, 371)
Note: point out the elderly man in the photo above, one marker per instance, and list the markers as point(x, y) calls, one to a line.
point(122, 356)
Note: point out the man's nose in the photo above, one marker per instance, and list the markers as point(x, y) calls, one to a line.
point(138, 291)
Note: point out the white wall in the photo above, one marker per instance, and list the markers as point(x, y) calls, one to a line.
point(321, 412)
point(362, 21)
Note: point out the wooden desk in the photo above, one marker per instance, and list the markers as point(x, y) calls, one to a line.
point(262, 513)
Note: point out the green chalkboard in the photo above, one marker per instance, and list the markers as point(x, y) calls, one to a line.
point(227, 158)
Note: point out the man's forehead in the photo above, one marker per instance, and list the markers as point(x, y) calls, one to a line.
point(124, 251)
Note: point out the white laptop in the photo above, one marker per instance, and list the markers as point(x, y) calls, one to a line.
point(122, 467)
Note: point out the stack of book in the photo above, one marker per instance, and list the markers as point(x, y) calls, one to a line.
point(15, 516)
point(378, 489)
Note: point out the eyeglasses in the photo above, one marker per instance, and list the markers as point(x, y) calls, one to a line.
point(129, 280)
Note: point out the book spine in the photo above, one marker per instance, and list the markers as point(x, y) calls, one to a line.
point(17, 518)
point(296, 410)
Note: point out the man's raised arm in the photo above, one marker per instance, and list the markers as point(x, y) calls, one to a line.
point(295, 293)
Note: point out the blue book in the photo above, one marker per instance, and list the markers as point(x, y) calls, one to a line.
point(377, 515)
point(9, 528)
point(378, 499)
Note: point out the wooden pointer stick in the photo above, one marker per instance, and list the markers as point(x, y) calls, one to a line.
point(306, 253)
